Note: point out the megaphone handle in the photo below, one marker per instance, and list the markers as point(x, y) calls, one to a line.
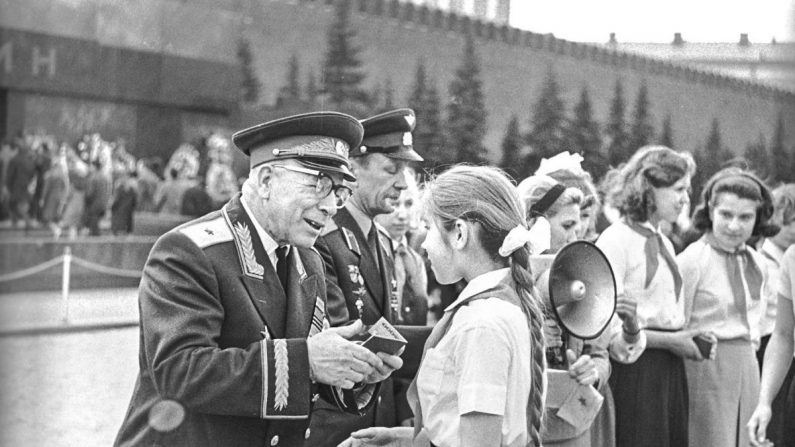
point(556, 356)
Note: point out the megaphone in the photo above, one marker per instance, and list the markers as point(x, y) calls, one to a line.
point(578, 286)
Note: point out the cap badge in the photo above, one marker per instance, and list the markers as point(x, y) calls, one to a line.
point(409, 119)
point(407, 140)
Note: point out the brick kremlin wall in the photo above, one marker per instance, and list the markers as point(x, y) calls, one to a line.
point(395, 35)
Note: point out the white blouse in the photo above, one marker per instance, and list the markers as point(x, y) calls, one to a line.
point(482, 364)
point(658, 307)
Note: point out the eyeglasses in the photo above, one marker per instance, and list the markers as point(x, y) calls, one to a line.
point(324, 185)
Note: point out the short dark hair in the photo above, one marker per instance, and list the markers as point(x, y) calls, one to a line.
point(744, 184)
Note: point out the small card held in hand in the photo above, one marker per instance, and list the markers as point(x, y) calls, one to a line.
point(383, 337)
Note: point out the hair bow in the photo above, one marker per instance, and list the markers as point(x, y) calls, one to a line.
point(561, 161)
point(537, 238)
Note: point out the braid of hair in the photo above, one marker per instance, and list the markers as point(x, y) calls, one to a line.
point(532, 308)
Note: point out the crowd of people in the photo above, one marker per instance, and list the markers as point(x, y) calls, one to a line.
point(96, 186)
point(250, 314)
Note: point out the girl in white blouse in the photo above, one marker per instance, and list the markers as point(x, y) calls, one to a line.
point(481, 378)
point(722, 295)
point(649, 386)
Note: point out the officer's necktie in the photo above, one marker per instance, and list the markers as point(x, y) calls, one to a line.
point(281, 265)
point(653, 248)
point(750, 271)
point(372, 242)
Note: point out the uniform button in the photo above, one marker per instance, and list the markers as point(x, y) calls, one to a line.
point(406, 309)
point(275, 440)
point(307, 433)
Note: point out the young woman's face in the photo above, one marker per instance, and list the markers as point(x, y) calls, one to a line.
point(565, 226)
point(733, 219)
point(670, 200)
point(440, 253)
point(587, 221)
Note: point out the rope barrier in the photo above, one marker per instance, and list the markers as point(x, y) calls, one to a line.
point(32, 270)
point(81, 262)
point(106, 270)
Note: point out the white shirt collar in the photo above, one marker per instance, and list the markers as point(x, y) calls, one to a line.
point(479, 284)
point(268, 242)
point(774, 251)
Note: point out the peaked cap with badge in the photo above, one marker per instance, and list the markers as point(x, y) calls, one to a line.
point(319, 140)
point(222, 335)
point(389, 134)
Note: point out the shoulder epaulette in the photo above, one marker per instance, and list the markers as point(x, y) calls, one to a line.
point(350, 240)
point(208, 232)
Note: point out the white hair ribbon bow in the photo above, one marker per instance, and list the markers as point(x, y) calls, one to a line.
point(562, 160)
point(537, 237)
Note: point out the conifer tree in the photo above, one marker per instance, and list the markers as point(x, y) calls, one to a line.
point(512, 159)
point(667, 134)
point(780, 161)
point(250, 84)
point(583, 136)
point(382, 98)
point(311, 88)
point(756, 155)
point(709, 160)
point(466, 112)
point(291, 91)
point(548, 124)
point(342, 71)
point(615, 129)
point(428, 136)
point(642, 131)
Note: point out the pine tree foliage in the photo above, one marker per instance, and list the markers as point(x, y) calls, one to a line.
point(382, 98)
point(428, 134)
point(548, 123)
point(312, 92)
point(710, 160)
point(291, 91)
point(466, 111)
point(781, 161)
point(250, 85)
point(512, 158)
point(343, 76)
point(615, 129)
point(642, 131)
point(584, 137)
point(757, 158)
point(667, 133)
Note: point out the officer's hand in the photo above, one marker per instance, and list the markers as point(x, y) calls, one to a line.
point(552, 333)
point(335, 361)
point(582, 369)
point(389, 365)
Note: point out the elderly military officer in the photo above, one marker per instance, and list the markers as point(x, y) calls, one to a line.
point(358, 256)
point(235, 341)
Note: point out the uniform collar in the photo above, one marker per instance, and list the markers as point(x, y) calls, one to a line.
point(268, 243)
point(479, 284)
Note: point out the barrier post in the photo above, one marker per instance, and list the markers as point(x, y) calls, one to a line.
point(67, 267)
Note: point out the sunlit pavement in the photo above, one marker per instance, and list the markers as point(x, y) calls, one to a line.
point(66, 384)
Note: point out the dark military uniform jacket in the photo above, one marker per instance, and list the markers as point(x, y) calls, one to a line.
point(343, 246)
point(220, 337)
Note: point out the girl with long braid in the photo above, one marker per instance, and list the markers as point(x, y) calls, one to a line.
point(481, 381)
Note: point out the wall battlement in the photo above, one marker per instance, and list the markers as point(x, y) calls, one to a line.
point(438, 20)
